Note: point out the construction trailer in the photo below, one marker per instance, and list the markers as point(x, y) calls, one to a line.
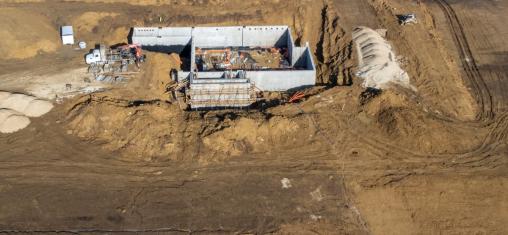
point(67, 35)
point(226, 66)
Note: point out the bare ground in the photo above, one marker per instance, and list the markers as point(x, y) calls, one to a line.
point(128, 160)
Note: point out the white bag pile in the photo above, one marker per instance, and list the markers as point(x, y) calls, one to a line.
point(377, 62)
point(16, 108)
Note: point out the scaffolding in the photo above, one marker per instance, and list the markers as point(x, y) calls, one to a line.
point(229, 93)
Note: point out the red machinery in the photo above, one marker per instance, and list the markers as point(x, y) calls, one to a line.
point(134, 49)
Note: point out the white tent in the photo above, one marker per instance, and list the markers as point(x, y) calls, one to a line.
point(67, 35)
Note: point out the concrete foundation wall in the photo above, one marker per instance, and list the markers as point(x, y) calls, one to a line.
point(209, 80)
point(309, 60)
point(210, 37)
point(291, 47)
point(282, 80)
point(265, 36)
point(174, 39)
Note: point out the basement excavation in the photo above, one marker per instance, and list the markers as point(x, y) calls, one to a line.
point(227, 66)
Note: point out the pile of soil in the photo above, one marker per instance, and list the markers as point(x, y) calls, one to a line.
point(26, 34)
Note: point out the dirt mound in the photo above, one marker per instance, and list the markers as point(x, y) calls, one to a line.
point(398, 119)
point(25, 34)
point(140, 129)
point(155, 129)
point(153, 82)
point(254, 135)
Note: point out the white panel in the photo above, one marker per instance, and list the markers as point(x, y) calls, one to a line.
point(146, 31)
point(217, 36)
point(264, 36)
point(175, 31)
point(282, 80)
point(67, 30)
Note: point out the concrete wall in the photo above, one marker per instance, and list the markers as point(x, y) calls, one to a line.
point(210, 37)
point(291, 47)
point(193, 56)
point(163, 39)
point(265, 36)
point(282, 80)
point(309, 58)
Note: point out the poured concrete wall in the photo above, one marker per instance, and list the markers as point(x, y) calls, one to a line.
point(210, 37)
point(282, 80)
point(173, 39)
point(265, 36)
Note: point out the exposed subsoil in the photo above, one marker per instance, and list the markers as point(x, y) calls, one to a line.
point(429, 160)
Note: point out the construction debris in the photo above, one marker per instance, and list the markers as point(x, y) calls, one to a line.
point(297, 96)
point(82, 45)
point(242, 58)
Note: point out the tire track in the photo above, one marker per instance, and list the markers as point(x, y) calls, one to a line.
point(481, 90)
point(486, 117)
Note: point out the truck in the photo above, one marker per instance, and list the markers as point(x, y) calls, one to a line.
point(132, 53)
point(111, 61)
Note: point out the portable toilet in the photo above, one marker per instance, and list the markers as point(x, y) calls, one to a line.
point(67, 35)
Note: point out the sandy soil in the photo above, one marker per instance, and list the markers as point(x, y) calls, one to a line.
point(129, 160)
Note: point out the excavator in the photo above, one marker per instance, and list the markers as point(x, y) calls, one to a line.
point(132, 49)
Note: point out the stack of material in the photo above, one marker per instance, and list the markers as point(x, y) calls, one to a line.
point(16, 108)
point(376, 59)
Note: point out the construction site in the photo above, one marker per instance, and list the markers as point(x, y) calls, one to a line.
point(253, 117)
point(227, 66)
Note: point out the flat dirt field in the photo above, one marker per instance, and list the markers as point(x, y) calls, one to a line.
point(432, 159)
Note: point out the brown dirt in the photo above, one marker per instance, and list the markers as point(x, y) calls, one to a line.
point(25, 34)
point(129, 160)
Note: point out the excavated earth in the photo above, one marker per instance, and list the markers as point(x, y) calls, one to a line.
point(345, 160)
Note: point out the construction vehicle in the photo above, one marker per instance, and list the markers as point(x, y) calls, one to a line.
point(104, 61)
point(407, 19)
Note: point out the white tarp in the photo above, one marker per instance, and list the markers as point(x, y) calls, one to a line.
point(377, 62)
